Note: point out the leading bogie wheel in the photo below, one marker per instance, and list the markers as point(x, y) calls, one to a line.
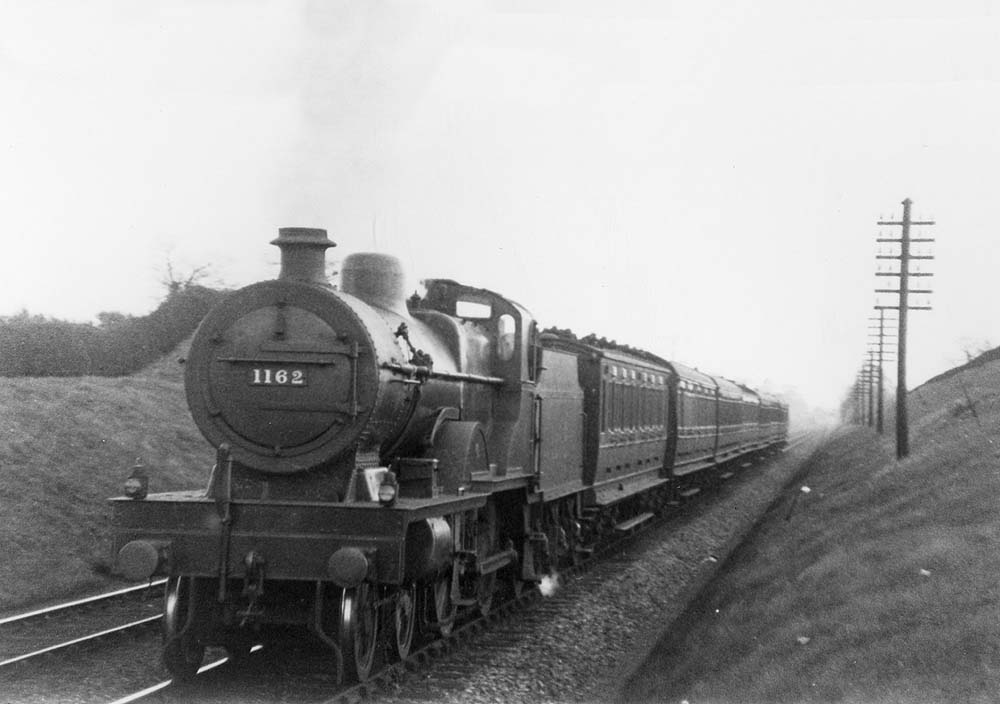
point(182, 652)
point(358, 631)
point(404, 620)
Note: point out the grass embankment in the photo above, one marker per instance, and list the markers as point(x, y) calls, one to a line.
point(882, 586)
point(66, 445)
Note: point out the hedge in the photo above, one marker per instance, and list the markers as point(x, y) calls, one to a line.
point(36, 346)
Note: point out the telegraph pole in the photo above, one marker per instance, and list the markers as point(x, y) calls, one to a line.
point(864, 395)
point(860, 398)
point(903, 306)
point(880, 351)
point(870, 373)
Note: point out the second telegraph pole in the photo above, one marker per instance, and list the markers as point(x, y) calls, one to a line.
point(880, 351)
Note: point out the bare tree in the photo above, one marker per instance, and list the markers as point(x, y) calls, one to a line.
point(175, 280)
point(975, 347)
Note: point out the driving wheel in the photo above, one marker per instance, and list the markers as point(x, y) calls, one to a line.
point(358, 631)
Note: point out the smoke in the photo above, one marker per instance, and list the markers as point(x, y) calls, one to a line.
point(550, 584)
point(366, 70)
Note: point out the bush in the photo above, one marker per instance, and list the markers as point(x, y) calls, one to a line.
point(38, 346)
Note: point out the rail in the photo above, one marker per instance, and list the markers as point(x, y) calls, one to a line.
point(50, 610)
point(25, 621)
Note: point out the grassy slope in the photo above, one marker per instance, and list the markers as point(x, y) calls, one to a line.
point(66, 445)
point(883, 585)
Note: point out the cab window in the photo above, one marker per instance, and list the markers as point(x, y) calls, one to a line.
point(506, 337)
point(473, 309)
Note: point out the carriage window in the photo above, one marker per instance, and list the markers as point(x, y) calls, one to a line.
point(619, 406)
point(506, 330)
point(605, 406)
point(473, 309)
point(629, 406)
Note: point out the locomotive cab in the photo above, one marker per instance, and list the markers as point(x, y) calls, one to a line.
point(515, 353)
point(514, 356)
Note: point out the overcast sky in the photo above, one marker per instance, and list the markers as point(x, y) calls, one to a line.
point(700, 178)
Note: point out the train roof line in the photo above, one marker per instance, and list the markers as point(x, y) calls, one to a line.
point(591, 343)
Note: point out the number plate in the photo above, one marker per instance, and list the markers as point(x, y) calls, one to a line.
point(277, 376)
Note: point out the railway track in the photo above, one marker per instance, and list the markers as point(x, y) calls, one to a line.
point(55, 628)
point(797, 440)
point(89, 626)
point(163, 685)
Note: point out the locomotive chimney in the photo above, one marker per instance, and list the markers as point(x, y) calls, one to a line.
point(377, 279)
point(303, 254)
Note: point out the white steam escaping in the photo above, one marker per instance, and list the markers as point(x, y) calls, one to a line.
point(549, 584)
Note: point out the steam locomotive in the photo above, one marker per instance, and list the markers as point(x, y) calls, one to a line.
point(383, 468)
